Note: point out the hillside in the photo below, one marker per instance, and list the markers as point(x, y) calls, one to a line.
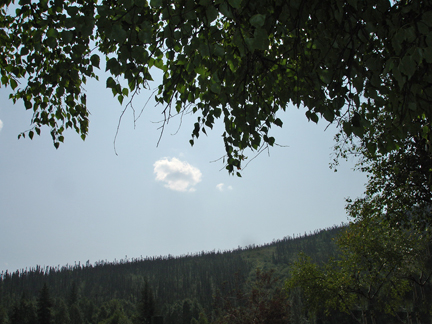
point(104, 288)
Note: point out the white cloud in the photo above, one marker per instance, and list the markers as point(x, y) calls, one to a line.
point(221, 187)
point(177, 175)
point(1, 125)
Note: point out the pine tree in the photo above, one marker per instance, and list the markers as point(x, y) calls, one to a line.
point(23, 312)
point(73, 295)
point(44, 306)
point(61, 314)
point(2, 315)
point(147, 305)
point(187, 312)
point(76, 315)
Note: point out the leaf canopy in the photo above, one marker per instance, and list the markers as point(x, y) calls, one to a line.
point(241, 61)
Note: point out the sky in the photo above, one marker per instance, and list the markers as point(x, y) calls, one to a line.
point(83, 202)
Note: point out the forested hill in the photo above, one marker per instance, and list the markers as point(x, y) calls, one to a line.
point(193, 277)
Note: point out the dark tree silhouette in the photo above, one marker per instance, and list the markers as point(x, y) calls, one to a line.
point(44, 305)
point(147, 304)
point(264, 303)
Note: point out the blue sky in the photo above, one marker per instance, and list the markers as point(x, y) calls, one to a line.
point(83, 202)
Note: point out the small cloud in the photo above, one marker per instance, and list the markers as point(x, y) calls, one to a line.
point(177, 175)
point(221, 187)
point(1, 125)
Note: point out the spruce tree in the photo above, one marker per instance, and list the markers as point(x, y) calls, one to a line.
point(73, 295)
point(76, 314)
point(2, 315)
point(23, 312)
point(61, 313)
point(187, 312)
point(44, 306)
point(147, 305)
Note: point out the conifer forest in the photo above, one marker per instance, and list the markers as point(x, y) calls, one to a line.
point(185, 289)
point(245, 285)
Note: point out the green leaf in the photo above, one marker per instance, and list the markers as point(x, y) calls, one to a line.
point(428, 54)
point(325, 76)
point(235, 3)
point(211, 13)
point(67, 36)
point(145, 36)
point(347, 128)
point(261, 40)
point(215, 87)
point(278, 122)
point(427, 18)
point(226, 10)
point(139, 54)
point(159, 64)
point(328, 115)
point(398, 76)
point(371, 147)
point(118, 33)
point(204, 49)
point(219, 50)
point(52, 33)
point(238, 42)
point(95, 60)
point(353, 3)
point(408, 66)
point(113, 66)
point(270, 140)
point(110, 83)
point(13, 84)
point(312, 116)
point(60, 92)
point(24, 51)
point(257, 20)
point(51, 42)
point(156, 3)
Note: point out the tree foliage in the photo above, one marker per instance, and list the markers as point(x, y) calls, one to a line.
point(184, 287)
point(399, 185)
point(23, 312)
point(346, 61)
point(379, 264)
point(44, 305)
point(265, 302)
point(385, 264)
point(147, 305)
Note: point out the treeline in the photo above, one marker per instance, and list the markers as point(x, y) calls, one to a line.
point(183, 287)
